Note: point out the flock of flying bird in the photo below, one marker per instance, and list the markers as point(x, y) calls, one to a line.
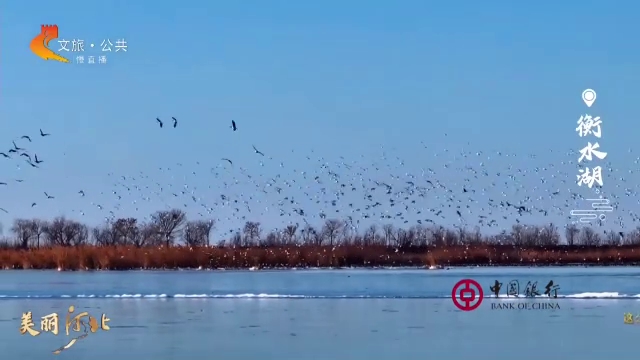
point(22, 152)
point(34, 161)
point(386, 190)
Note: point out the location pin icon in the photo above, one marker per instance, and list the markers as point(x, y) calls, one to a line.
point(589, 97)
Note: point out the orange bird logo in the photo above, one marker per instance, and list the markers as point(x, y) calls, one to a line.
point(40, 44)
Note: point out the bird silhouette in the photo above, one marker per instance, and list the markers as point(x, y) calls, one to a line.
point(19, 180)
point(13, 151)
point(159, 122)
point(175, 122)
point(33, 204)
point(38, 161)
point(2, 209)
point(48, 196)
point(81, 192)
point(26, 137)
point(43, 134)
point(32, 164)
point(5, 155)
point(233, 125)
point(26, 155)
point(3, 183)
point(257, 151)
point(230, 162)
point(16, 147)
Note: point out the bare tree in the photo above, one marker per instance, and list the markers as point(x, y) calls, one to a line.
point(126, 230)
point(631, 238)
point(404, 238)
point(369, 237)
point(613, 239)
point(317, 237)
point(331, 229)
point(272, 239)
point(290, 233)
point(207, 227)
point(196, 233)
point(588, 237)
point(347, 233)
point(476, 236)
point(168, 224)
point(422, 236)
point(63, 232)
point(38, 229)
point(104, 235)
point(388, 233)
point(462, 235)
point(549, 236)
point(236, 239)
point(518, 235)
point(571, 234)
point(310, 235)
point(252, 233)
point(451, 238)
point(23, 231)
point(149, 235)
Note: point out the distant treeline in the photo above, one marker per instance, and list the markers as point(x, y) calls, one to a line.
point(171, 241)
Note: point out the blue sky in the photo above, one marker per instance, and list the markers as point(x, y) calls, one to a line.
point(324, 79)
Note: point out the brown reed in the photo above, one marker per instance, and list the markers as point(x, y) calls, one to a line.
point(89, 257)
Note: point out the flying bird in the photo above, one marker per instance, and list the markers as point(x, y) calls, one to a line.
point(43, 134)
point(159, 122)
point(175, 122)
point(233, 125)
point(26, 137)
point(16, 147)
point(32, 164)
point(230, 162)
point(5, 155)
point(257, 151)
point(33, 204)
point(3, 183)
point(13, 150)
point(48, 196)
point(26, 155)
point(81, 192)
point(2, 209)
point(38, 161)
point(19, 180)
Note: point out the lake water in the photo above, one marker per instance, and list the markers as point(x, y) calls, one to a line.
point(323, 314)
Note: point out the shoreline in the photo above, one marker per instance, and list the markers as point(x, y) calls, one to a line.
point(398, 268)
point(307, 257)
point(344, 268)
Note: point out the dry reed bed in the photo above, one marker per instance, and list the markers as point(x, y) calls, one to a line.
point(129, 258)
